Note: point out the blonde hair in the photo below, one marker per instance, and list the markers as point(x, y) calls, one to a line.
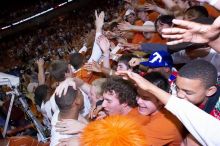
point(113, 131)
point(98, 85)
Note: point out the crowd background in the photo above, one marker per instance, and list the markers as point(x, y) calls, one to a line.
point(104, 39)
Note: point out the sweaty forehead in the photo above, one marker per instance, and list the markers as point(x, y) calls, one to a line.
point(189, 84)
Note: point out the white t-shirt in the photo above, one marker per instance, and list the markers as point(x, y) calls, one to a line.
point(51, 107)
point(204, 127)
point(47, 110)
point(56, 136)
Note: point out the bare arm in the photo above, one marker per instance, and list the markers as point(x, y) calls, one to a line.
point(104, 44)
point(169, 3)
point(82, 85)
point(41, 75)
point(145, 85)
point(154, 7)
point(215, 44)
point(125, 26)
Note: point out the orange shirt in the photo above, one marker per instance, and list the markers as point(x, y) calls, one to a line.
point(86, 75)
point(141, 2)
point(164, 129)
point(138, 36)
point(213, 12)
point(153, 16)
point(156, 39)
point(141, 119)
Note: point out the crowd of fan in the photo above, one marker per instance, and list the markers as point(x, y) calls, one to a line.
point(146, 74)
point(9, 16)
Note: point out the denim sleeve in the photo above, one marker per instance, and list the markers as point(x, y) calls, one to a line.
point(151, 47)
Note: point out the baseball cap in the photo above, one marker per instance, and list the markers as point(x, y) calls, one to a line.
point(159, 59)
point(128, 12)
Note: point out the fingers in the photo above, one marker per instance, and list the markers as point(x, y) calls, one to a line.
point(63, 87)
point(134, 62)
point(184, 23)
point(96, 15)
point(102, 15)
point(177, 36)
point(174, 30)
point(175, 42)
point(88, 66)
point(123, 26)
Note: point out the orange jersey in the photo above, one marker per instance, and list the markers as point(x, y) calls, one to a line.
point(86, 75)
point(138, 36)
point(213, 12)
point(164, 129)
point(156, 39)
point(141, 119)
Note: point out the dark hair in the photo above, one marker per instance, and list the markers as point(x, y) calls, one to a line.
point(159, 80)
point(76, 60)
point(200, 10)
point(40, 94)
point(165, 19)
point(65, 102)
point(202, 70)
point(125, 58)
point(58, 69)
point(124, 89)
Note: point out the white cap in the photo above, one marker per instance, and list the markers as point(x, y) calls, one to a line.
point(148, 23)
point(128, 12)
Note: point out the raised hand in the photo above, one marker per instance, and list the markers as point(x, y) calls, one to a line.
point(93, 66)
point(99, 21)
point(63, 86)
point(103, 43)
point(192, 32)
point(95, 111)
point(40, 62)
point(72, 141)
point(139, 80)
point(150, 7)
point(134, 62)
point(69, 126)
point(130, 47)
point(125, 26)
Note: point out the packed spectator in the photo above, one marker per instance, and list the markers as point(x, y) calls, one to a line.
point(117, 59)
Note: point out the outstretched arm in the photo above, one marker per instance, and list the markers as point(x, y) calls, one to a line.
point(193, 118)
point(96, 51)
point(154, 7)
point(41, 75)
point(125, 26)
point(194, 32)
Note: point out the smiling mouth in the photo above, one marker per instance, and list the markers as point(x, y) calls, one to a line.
point(142, 106)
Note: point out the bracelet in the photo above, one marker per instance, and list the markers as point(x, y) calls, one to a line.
point(213, 2)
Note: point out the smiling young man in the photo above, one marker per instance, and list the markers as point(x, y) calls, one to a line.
point(163, 127)
point(196, 82)
point(119, 98)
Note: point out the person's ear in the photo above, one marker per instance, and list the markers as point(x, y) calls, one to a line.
point(79, 99)
point(211, 91)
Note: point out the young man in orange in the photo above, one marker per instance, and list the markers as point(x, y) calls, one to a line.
point(163, 128)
